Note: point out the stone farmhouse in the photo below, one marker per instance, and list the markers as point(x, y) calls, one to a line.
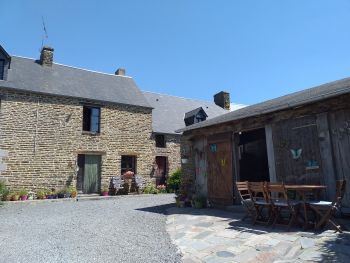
point(63, 125)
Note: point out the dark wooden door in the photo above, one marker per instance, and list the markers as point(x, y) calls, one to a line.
point(297, 151)
point(160, 172)
point(220, 178)
point(340, 134)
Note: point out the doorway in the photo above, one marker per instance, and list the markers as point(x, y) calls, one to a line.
point(89, 174)
point(160, 170)
point(252, 154)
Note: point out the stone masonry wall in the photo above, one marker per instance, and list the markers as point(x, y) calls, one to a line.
point(171, 151)
point(43, 135)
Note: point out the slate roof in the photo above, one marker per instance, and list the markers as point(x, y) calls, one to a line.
point(194, 112)
point(169, 111)
point(27, 75)
point(295, 99)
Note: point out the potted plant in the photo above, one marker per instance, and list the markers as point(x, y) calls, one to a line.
point(51, 194)
point(128, 175)
point(41, 194)
point(61, 193)
point(73, 191)
point(104, 190)
point(180, 200)
point(14, 196)
point(23, 195)
point(4, 192)
point(199, 201)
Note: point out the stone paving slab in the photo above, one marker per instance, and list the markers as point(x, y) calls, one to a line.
point(210, 235)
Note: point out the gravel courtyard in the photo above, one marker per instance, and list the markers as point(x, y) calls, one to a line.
point(125, 229)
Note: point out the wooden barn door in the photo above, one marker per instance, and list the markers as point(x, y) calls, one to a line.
point(340, 134)
point(220, 179)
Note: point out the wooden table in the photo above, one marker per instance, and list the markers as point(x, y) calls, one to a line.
point(302, 190)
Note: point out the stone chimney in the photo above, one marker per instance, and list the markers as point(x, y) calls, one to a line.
point(120, 72)
point(46, 56)
point(222, 99)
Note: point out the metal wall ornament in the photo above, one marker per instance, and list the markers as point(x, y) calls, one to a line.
point(213, 148)
point(296, 153)
point(223, 162)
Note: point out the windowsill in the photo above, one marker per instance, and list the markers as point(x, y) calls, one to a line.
point(90, 133)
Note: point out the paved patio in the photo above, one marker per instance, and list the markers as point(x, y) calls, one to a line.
point(208, 235)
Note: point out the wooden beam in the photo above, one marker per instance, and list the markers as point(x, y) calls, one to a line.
point(326, 154)
point(270, 153)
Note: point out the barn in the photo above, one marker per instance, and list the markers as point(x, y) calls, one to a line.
point(299, 138)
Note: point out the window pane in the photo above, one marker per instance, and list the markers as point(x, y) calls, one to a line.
point(95, 119)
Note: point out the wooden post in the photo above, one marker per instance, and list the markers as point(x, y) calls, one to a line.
point(235, 166)
point(270, 153)
point(326, 152)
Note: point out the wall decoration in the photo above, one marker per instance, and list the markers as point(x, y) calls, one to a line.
point(296, 153)
point(223, 162)
point(213, 148)
point(311, 165)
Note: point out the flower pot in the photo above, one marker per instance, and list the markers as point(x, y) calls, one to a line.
point(198, 204)
point(24, 197)
point(14, 197)
point(60, 195)
point(104, 193)
point(181, 204)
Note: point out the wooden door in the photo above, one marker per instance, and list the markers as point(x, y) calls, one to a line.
point(92, 169)
point(200, 158)
point(160, 171)
point(220, 177)
point(340, 134)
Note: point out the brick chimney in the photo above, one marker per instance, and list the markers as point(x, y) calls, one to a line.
point(46, 56)
point(120, 72)
point(222, 99)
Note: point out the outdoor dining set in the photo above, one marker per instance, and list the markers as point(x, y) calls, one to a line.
point(290, 205)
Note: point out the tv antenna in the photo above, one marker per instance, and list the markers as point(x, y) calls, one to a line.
point(45, 35)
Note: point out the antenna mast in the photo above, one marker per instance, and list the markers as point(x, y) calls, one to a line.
point(45, 35)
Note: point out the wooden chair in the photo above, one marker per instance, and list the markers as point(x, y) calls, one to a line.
point(140, 183)
point(246, 199)
point(280, 202)
point(260, 202)
point(325, 210)
point(117, 183)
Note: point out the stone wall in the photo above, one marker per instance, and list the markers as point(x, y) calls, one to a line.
point(43, 135)
point(171, 151)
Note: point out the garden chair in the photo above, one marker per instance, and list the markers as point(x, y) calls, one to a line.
point(325, 210)
point(246, 199)
point(117, 183)
point(281, 204)
point(140, 183)
point(260, 202)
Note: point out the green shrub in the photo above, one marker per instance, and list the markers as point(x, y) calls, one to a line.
point(150, 189)
point(174, 181)
point(4, 191)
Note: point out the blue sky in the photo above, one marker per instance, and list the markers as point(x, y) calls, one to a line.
point(256, 50)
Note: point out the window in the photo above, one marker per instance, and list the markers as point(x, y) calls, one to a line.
point(128, 163)
point(160, 141)
point(2, 69)
point(91, 119)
